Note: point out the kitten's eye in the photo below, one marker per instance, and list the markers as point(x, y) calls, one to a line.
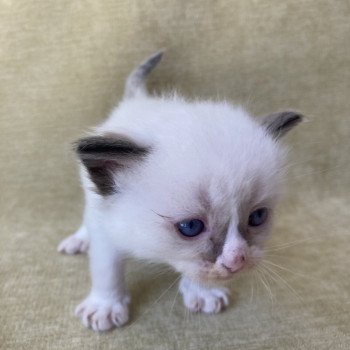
point(258, 217)
point(191, 227)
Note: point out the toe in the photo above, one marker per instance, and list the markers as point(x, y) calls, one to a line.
point(73, 245)
point(102, 315)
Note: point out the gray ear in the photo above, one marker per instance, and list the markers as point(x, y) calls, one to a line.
point(104, 155)
point(278, 124)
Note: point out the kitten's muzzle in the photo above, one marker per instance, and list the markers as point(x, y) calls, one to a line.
point(235, 264)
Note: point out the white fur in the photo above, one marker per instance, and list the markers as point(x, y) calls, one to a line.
point(198, 298)
point(196, 147)
point(76, 243)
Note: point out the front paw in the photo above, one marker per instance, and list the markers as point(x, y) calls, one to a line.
point(201, 299)
point(103, 315)
point(73, 245)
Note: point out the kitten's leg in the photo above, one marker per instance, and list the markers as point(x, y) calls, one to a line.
point(198, 298)
point(106, 306)
point(76, 243)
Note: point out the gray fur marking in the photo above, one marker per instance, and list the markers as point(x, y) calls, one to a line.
point(135, 84)
point(103, 155)
point(278, 124)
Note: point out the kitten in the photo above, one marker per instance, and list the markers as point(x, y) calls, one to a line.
point(191, 184)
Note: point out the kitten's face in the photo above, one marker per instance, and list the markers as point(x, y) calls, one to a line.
point(220, 237)
point(210, 223)
point(199, 193)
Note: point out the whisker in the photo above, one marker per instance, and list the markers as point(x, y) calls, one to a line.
point(288, 270)
point(187, 315)
point(161, 295)
point(286, 259)
point(291, 242)
point(272, 277)
point(252, 289)
point(264, 283)
point(269, 285)
point(278, 256)
point(154, 270)
point(160, 272)
point(173, 304)
point(290, 288)
point(287, 245)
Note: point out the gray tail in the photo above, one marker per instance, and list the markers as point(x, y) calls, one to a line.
point(136, 82)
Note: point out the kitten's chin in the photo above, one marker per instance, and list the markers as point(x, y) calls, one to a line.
point(210, 273)
point(213, 273)
point(206, 271)
point(220, 273)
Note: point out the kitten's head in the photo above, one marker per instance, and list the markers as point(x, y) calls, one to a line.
point(190, 184)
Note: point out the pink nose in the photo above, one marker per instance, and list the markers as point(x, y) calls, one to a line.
point(236, 263)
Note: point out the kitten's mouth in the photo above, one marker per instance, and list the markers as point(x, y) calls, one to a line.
point(227, 273)
point(223, 272)
point(210, 272)
point(232, 271)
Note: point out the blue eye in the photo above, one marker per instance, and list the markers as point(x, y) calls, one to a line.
point(191, 227)
point(258, 217)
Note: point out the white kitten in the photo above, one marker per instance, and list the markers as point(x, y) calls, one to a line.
point(191, 184)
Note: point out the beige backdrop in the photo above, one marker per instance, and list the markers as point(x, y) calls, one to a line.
point(62, 68)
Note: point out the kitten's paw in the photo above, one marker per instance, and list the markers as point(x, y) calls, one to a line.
point(74, 244)
point(202, 299)
point(103, 315)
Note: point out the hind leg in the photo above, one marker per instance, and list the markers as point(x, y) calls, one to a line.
point(76, 243)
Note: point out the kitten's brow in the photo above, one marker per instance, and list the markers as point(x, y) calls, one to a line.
point(163, 216)
point(204, 200)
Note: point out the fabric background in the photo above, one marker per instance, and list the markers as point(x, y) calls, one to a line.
point(62, 68)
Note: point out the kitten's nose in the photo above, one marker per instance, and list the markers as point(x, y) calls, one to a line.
point(236, 263)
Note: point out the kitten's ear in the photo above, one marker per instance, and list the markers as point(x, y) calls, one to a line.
point(278, 124)
point(103, 156)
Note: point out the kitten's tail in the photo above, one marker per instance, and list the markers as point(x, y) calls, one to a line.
point(136, 82)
